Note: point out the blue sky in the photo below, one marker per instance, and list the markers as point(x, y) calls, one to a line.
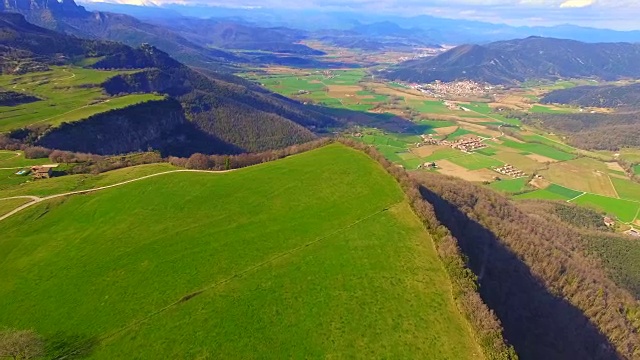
point(616, 14)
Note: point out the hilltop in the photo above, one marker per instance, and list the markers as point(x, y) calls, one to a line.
point(605, 96)
point(513, 61)
point(249, 252)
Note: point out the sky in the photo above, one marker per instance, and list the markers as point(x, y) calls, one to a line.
point(613, 14)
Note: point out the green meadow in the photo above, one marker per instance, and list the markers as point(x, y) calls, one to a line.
point(511, 185)
point(625, 210)
point(475, 161)
point(539, 149)
point(67, 94)
point(297, 258)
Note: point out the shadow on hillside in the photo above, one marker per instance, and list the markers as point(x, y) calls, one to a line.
point(386, 122)
point(539, 324)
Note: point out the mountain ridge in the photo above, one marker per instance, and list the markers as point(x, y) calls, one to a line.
point(514, 61)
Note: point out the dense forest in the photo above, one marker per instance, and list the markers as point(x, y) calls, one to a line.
point(610, 131)
point(607, 96)
point(553, 300)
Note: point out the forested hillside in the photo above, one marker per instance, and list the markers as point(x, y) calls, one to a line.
point(239, 115)
point(610, 131)
point(553, 301)
point(606, 96)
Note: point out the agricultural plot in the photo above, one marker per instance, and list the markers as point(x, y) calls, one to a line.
point(259, 257)
point(553, 192)
point(510, 186)
point(581, 174)
point(539, 149)
point(446, 153)
point(539, 109)
point(475, 161)
point(626, 189)
point(546, 141)
point(624, 210)
point(67, 94)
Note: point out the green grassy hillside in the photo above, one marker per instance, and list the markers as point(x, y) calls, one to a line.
point(294, 258)
point(67, 94)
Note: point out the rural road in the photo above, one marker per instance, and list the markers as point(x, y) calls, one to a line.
point(36, 199)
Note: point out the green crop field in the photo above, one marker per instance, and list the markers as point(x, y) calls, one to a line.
point(547, 110)
point(626, 189)
point(546, 141)
point(429, 107)
point(539, 149)
point(290, 259)
point(447, 153)
point(552, 192)
point(625, 210)
point(475, 161)
point(510, 186)
point(67, 94)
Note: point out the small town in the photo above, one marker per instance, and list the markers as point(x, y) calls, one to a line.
point(467, 145)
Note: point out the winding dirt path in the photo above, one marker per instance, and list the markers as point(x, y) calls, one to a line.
point(36, 199)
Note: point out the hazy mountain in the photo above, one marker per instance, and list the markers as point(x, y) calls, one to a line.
point(512, 61)
point(68, 17)
point(233, 35)
point(440, 30)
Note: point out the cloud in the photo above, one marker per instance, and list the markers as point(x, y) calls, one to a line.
point(577, 3)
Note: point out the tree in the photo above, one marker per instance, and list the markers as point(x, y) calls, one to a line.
point(20, 344)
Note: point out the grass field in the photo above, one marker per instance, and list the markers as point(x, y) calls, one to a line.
point(625, 210)
point(67, 94)
point(8, 205)
point(475, 161)
point(582, 174)
point(626, 189)
point(510, 186)
point(235, 265)
point(539, 149)
point(69, 183)
point(553, 192)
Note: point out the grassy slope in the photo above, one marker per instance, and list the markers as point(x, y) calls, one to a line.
point(8, 205)
point(69, 183)
point(68, 94)
point(297, 257)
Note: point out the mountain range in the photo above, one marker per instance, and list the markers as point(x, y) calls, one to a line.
point(507, 62)
point(202, 112)
point(438, 30)
point(68, 17)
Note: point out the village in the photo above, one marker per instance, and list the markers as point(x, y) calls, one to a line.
point(463, 88)
point(467, 145)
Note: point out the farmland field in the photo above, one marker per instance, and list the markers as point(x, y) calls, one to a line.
point(67, 94)
point(553, 192)
point(581, 174)
point(249, 265)
point(510, 186)
point(539, 149)
point(625, 210)
point(475, 161)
